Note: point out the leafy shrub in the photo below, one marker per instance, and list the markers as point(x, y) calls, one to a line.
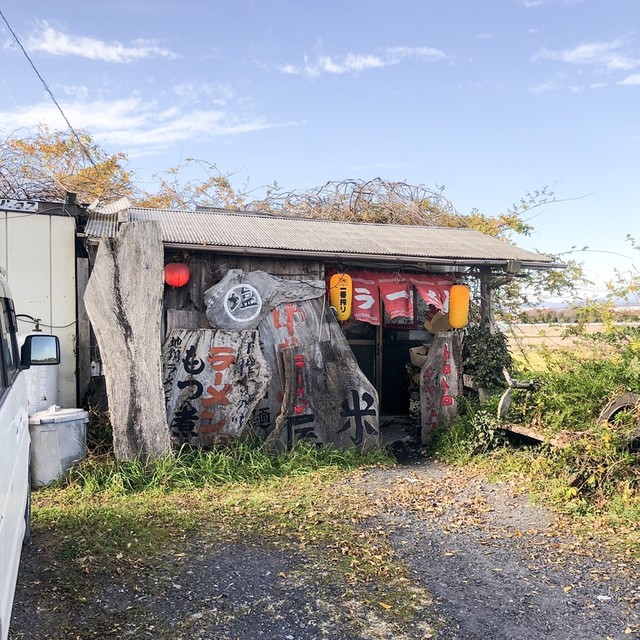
point(484, 355)
point(573, 390)
point(475, 431)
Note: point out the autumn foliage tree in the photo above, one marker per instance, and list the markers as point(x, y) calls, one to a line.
point(47, 164)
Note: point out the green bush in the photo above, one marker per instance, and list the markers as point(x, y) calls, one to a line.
point(484, 355)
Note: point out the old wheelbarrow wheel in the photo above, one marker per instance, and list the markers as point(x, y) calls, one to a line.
point(624, 402)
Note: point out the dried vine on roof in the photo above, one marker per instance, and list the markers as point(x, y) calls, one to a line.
point(374, 200)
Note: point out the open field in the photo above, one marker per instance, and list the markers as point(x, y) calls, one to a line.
point(525, 340)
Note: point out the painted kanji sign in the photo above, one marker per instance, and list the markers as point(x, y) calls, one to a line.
point(438, 385)
point(289, 324)
point(213, 381)
point(241, 300)
point(285, 312)
point(316, 390)
point(327, 399)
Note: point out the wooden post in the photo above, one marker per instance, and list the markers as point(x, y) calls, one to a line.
point(124, 302)
point(486, 294)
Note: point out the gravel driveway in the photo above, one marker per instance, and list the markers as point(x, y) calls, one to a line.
point(481, 562)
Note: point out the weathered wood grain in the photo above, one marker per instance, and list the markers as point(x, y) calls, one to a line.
point(124, 303)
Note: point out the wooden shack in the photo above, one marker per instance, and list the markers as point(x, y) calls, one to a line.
point(251, 343)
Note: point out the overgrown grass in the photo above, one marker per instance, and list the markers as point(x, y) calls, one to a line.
point(104, 507)
point(596, 478)
point(198, 468)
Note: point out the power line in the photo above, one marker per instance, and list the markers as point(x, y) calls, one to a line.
point(46, 86)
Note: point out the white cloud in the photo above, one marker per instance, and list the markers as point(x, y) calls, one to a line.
point(131, 122)
point(542, 88)
point(561, 86)
point(538, 3)
point(215, 92)
point(355, 63)
point(50, 40)
point(631, 81)
point(605, 55)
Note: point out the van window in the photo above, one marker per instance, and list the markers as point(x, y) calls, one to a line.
point(8, 343)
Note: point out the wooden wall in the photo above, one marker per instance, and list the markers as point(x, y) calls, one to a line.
point(184, 307)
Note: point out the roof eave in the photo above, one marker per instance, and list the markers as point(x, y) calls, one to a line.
point(375, 257)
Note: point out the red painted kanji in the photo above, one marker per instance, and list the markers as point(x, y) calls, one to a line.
point(299, 402)
point(217, 397)
point(291, 312)
point(220, 359)
point(212, 428)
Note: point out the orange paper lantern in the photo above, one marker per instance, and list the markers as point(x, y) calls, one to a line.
point(458, 306)
point(340, 298)
point(176, 274)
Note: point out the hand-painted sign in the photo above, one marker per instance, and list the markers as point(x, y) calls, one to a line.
point(287, 325)
point(242, 303)
point(327, 399)
point(438, 384)
point(241, 300)
point(213, 382)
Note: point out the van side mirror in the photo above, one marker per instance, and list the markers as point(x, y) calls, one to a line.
point(40, 349)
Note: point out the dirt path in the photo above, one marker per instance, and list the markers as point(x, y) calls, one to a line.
point(500, 568)
point(495, 568)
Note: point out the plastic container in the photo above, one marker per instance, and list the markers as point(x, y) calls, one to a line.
point(58, 441)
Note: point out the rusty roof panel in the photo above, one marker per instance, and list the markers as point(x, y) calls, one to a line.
point(220, 228)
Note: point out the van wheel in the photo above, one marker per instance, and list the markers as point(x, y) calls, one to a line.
point(27, 519)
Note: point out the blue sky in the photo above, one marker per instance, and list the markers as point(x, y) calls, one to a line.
point(490, 98)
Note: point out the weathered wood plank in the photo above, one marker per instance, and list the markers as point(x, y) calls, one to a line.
point(84, 330)
point(124, 302)
point(534, 434)
point(185, 319)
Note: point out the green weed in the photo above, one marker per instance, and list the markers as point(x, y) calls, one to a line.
point(198, 468)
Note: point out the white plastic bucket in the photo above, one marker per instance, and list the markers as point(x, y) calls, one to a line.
point(58, 441)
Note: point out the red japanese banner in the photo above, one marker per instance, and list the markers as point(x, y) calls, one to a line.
point(396, 296)
point(433, 290)
point(366, 301)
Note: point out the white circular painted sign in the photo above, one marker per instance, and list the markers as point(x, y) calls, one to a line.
point(242, 303)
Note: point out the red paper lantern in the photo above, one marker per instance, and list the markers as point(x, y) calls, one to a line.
point(176, 274)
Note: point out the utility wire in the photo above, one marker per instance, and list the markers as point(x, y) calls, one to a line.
point(46, 86)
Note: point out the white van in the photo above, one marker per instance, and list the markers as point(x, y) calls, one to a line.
point(15, 502)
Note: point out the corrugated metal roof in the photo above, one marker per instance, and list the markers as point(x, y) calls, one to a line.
point(260, 232)
point(111, 208)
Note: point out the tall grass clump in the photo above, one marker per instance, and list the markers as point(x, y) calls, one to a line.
point(573, 391)
point(190, 468)
point(596, 475)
